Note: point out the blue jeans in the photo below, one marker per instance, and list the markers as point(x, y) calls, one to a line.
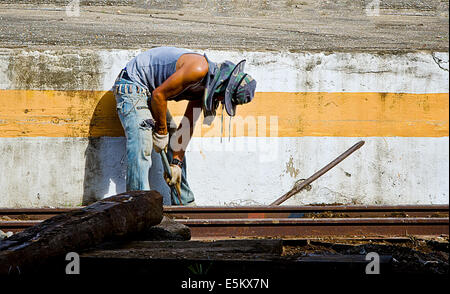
point(133, 110)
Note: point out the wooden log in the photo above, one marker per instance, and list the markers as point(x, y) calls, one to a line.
point(111, 218)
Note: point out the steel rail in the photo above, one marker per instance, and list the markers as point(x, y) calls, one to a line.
point(298, 227)
point(32, 213)
point(17, 226)
point(302, 228)
point(219, 212)
point(256, 211)
point(271, 221)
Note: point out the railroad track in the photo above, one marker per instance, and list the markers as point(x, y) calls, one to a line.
point(282, 221)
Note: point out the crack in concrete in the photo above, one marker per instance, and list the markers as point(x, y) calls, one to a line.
point(438, 61)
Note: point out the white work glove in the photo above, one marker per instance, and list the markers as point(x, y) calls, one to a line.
point(175, 170)
point(160, 142)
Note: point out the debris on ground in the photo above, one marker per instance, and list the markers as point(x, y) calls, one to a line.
point(4, 235)
point(168, 229)
point(420, 256)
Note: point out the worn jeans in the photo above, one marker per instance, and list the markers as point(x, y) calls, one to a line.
point(133, 109)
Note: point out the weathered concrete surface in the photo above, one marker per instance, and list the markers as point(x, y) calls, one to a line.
point(341, 25)
point(114, 217)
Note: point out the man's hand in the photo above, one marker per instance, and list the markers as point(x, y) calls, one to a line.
point(160, 142)
point(175, 170)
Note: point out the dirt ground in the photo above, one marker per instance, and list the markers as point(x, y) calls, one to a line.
point(308, 25)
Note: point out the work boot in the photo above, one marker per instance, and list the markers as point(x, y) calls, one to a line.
point(191, 204)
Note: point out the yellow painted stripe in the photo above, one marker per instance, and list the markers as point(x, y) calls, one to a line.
point(32, 113)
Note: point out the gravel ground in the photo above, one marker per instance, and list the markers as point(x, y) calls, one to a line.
point(342, 25)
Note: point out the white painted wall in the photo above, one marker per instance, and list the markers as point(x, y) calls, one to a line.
point(320, 72)
point(43, 171)
point(383, 171)
point(52, 171)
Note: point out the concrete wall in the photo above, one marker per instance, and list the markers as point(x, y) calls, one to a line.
point(61, 143)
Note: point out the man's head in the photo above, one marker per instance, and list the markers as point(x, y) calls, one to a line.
point(227, 84)
point(240, 89)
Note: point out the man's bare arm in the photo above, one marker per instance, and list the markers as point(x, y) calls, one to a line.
point(191, 69)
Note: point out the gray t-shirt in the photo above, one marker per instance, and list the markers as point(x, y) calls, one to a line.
point(151, 68)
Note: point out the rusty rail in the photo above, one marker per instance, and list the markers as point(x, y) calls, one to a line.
point(304, 228)
point(28, 214)
point(32, 213)
point(355, 211)
point(281, 221)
